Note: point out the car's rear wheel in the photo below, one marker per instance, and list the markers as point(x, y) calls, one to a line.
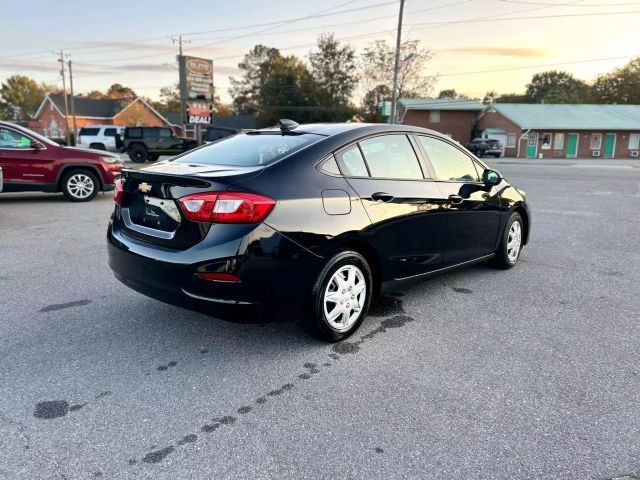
point(80, 186)
point(138, 154)
point(510, 247)
point(340, 297)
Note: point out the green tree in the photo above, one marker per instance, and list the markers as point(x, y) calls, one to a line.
point(622, 85)
point(557, 87)
point(21, 96)
point(372, 102)
point(451, 94)
point(286, 90)
point(377, 64)
point(334, 68)
point(245, 90)
point(119, 91)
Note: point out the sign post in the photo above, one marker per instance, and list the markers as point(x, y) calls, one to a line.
point(196, 91)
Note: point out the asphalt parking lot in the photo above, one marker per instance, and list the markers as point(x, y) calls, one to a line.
point(528, 373)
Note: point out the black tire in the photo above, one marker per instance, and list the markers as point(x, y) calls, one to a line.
point(315, 320)
point(152, 157)
point(497, 155)
point(480, 153)
point(502, 257)
point(98, 146)
point(138, 154)
point(80, 185)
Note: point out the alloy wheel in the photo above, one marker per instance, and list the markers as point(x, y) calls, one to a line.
point(344, 297)
point(514, 241)
point(80, 186)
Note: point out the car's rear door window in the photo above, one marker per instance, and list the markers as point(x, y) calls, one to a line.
point(248, 150)
point(351, 162)
point(449, 163)
point(109, 132)
point(89, 132)
point(391, 156)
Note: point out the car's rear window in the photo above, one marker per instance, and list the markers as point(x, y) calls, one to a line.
point(133, 132)
point(91, 132)
point(248, 150)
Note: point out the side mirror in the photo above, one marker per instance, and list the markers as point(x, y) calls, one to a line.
point(491, 178)
point(36, 145)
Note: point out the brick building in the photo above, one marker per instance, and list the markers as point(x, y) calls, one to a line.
point(49, 120)
point(455, 118)
point(564, 130)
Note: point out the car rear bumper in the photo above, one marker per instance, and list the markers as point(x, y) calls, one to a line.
point(276, 276)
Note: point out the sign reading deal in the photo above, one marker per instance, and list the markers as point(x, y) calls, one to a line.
point(196, 83)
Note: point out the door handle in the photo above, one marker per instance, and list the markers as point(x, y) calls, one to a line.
point(455, 199)
point(382, 197)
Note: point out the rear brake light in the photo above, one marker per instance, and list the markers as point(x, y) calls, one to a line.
point(118, 192)
point(219, 277)
point(226, 207)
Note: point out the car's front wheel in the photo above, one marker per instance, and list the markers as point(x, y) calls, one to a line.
point(80, 186)
point(340, 297)
point(510, 247)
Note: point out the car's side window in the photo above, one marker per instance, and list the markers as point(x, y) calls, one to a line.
point(391, 156)
point(351, 162)
point(450, 164)
point(12, 139)
point(109, 132)
point(165, 133)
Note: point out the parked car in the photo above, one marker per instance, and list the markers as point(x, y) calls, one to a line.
point(1, 180)
point(315, 219)
point(101, 137)
point(148, 143)
point(31, 163)
point(485, 146)
point(213, 134)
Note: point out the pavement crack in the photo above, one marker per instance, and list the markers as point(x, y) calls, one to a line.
point(21, 429)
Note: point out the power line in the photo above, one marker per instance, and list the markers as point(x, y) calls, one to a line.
point(506, 69)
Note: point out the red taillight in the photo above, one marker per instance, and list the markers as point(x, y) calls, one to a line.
point(226, 207)
point(219, 277)
point(118, 192)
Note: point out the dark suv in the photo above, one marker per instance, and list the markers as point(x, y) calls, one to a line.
point(148, 143)
point(485, 146)
point(32, 163)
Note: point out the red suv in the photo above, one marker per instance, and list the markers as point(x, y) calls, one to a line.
point(33, 163)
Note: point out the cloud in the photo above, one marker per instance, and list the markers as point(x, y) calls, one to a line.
point(501, 51)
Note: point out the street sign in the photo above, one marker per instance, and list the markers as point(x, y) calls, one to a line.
point(196, 89)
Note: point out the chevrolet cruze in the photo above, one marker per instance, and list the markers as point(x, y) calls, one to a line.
point(311, 221)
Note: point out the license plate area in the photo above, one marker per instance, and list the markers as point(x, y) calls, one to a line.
point(156, 213)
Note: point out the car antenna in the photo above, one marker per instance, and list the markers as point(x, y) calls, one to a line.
point(287, 125)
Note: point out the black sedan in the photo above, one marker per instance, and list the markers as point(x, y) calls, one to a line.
point(485, 146)
point(311, 221)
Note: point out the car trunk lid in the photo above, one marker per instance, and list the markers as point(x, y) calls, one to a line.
point(149, 210)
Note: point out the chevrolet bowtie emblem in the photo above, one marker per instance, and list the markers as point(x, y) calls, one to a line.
point(144, 187)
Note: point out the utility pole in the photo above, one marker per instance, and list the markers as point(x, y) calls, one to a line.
point(73, 106)
point(394, 97)
point(64, 92)
point(183, 94)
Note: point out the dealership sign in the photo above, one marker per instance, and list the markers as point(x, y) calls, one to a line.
point(196, 89)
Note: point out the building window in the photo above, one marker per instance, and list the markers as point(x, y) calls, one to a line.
point(558, 141)
point(546, 140)
point(511, 140)
point(634, 141)
point(434, 116)
point(596, 141)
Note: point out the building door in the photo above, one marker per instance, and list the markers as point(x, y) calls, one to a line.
point(609, 145)
point(572, 145)
point(532, 145)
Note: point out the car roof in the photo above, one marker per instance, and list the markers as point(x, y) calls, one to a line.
point(330, 129)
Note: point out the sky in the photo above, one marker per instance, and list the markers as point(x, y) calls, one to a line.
point(130, 42)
